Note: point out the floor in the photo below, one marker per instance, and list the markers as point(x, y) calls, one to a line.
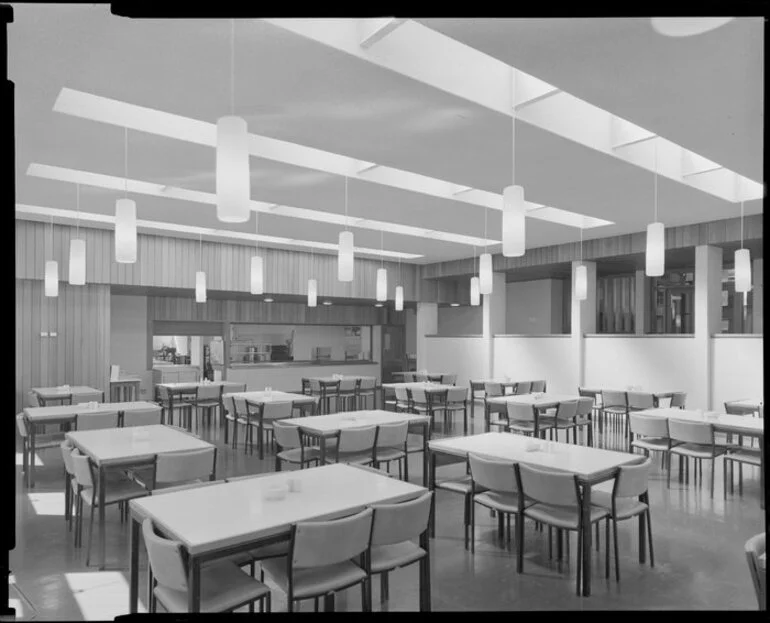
point(699, 558)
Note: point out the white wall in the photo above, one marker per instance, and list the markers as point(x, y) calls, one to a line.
point(654, 363)
point(463, 320)
point(738, 369)
point(534, 358)
point(534, 307)
point(464, 356)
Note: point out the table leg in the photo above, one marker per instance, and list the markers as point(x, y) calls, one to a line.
point(322, 445)
point(585, 509)
point(761, 440)
point(133, 567)
point(432, 487)
point(31, 458)
point(193, 585)
point(102, 540)
point(537, 422)
point(425, 435)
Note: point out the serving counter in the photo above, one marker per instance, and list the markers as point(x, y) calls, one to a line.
point(288, 375)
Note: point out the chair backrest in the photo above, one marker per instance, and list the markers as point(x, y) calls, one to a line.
point(632, 480)
point(537, 386)
point(210, 392)
point(187, 465)
point(640, 400)
point(584, 406)
point(614, 399)
point(401, 393)
point(306, 386)
point(420, 378)
point(81, 468)
point(165, 557)
point(21, 425)
point(276, 410)
point(691, 432)
point(649, 425)
point(33, 399)
point(286, 435)
point(188, 394)
point(434, 378)
point(493, 389)
point(94, 421)
point(396, 523)
point(141, 417)
point(521, 412)
point(66, 453)
point(493, 474)
point(418, 396)
point(449, 379)
point(556, 488)
point(679, 399)
point(357, 439)
point(392, 435)
point(330, 387)
point(367, 383)
point(457, 394)
point(230, 407)
point(567, 410)
point(315, 386)
point(522, 387)
point(322, 543)
point(754, 548)
point(582, 391)
point(348, 385)
point(733, 409)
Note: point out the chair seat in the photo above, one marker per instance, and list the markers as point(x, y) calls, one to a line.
point(387, 557)
point(208, 403)
point(562, 516)
point(528, 426)
point(223, 587)
point(698, 451)
point(414, 447)
point(273, 550)
point(652, 443)
point(351, 457)
point(752, 457)
point(49, 440)
point(454, 406)
point(314, 581)
point(458, 486)
point(615, 410)
point(499, 422)
point(294, 455)
point(117, 491)
point(421, 408)
point(505, 502)
point(624, 507)
point(390, 454)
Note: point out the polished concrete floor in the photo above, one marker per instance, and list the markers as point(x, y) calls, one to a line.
point(699, 559)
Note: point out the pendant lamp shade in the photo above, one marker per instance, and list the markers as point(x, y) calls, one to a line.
point(399, 298)
point(485, 273)
point(77, 275)
point(200, 287)
point(257, 277)
point(513, 221)
point(581, 283)
point(345, 256)
point(475, 293)
point(656, 250)
point(742, 270)
point(382, 285)
point(312, 292)
point(233, 174)
point(51, 278)
point(125, 231)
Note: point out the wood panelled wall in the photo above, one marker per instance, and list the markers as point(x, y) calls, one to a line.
point(615, 304)
point(80, 352)
point(172, 262)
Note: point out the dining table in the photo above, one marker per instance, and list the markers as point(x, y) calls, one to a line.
point(231, 517)
point(432, 390)
point(590, 465)
point(657, 395)
point(75, 393)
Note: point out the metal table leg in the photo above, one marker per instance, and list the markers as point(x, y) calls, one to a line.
point(133, 567)
point(102, 540)
point(586, 562)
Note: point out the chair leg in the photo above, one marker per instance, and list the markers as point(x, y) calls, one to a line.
point(649, 538)
point(579, 557)
point(384, 588)
point(615, 545)
point(90, 534)
point(606, 547)
point(472, 530)
point(713, 467)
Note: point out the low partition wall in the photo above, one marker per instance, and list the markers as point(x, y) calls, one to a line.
point(532, 357)
point(738, 368)
point(464, 356)
point(289, 378)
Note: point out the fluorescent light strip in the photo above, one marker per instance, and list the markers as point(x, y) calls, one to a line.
point(486, 81)
point(111, 182)
point(149, 120)
point(71, 215)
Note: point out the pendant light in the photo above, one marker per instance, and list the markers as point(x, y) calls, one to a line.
point(742, 263)
point(382, 276)
point(514, 226)
point(581, 274)
point(656, 241)
point(77, 265)
point(345, 247)
point(485, 264)
point(51, 281)
point(257, 275)
point(233, 176)
point(475, 295)
point(399, 290)
point(312, 286)
point(200, 276)
point(125, 218)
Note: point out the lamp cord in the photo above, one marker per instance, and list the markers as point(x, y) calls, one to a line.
point(581, 244)
point(125, 160)
point(200, 250)
point(77, 203)
point(232, 66)
point(741, 223)
point(655, 147)
point(513, 127)
point(382, 249)
point(346, 203)
point(485, 229)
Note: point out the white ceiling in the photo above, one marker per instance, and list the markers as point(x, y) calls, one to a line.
point(702, 92)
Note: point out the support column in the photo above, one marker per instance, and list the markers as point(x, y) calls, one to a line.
point(641, 304)
point(708, 317)
point(756, 294)
point(583, 320)
point(493, 320)
point(427, 324)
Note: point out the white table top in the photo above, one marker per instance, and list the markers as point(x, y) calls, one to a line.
point(274, 396)
point(537, 400)
point(644, 390)
point(428, 387)
point(334, 422)
point(59, 392)
point(722, 421)
point(122, 444)
point(341, 377)
point(585, 461)
point(37, 414)
point(127, 379)
point(194, 384)
point(506, 382)
point(218, 516)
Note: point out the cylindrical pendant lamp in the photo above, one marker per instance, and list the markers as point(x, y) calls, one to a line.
point(399, 298)
point(345, 256)
point(656, 250)
point(233, 176)
point(77, 276)
point(742, 270)
point(257, 277)
point(312, 292)
point(513, 221)
point(475, 293)
point(581, 283)
point(485, 273)
point(125, 231)
point(51, 278)
point(200, 287)
point(382, 285)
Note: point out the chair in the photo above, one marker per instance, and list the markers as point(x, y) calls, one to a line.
point(391, 446)
point(355, 445)
point(525, 387)
point(521, 419)
point(434, 378)
point(678, 400)
point(596, 404)
point(96, 421)
point(696, 442)
point(69, 480)
point(391, 546)
point(536, 387)
point(464, 487)
point(306, 387)
point(742, 456)
point(62, 399)
point(183, 401)
point(141, 417)
point(492, 390)
point(448, 379)
point(209, 400)
point(756, 553)
point(626, 497)
point(499, 492)
point(566, 412)
point(614, 408)
point(235, 413)
point(304, 408)
point(421, 403)
point(173, 468)
point(320, 560)
point(95, 396)
point(367, 388)
point(420, 377)
point(291, 447)
point(329, 390)
point(402, 402)
point(347, 394)
point(43, 441)
point(223, 586)
point(456, 400)
point(637, 401)
point(262, 418)
point(34, 399)
point(650, 434)
point(556, 501)
point(477, 394)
